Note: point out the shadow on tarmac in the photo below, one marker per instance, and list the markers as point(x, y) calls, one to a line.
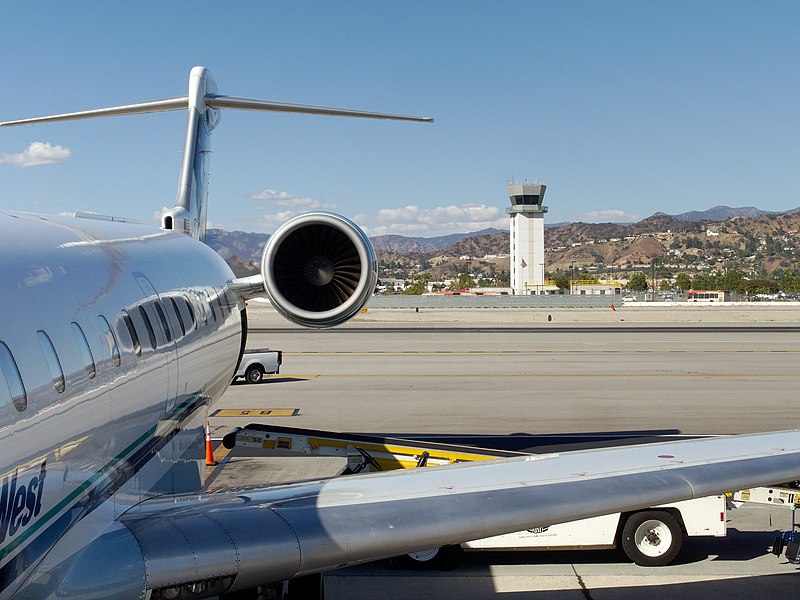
point(475, 579)
point(272, 380)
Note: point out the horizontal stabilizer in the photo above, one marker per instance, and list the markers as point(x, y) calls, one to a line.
point(216, 101)
point(202, 105)
point(213, 101)
point(114, 111)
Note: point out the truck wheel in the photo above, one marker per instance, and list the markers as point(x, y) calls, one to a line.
point(445, 558)
point(254, 374)
point(652, 538)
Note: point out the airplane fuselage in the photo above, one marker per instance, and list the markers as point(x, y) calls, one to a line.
point(114, 339)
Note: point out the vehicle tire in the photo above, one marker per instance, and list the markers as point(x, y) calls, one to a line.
point(652, 538)
point(445, 558)
point(307, 587)
point(254, 374)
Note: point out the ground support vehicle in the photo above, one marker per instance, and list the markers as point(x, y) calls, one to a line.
point(256, 363)
point(650, 537)
point(786, 542)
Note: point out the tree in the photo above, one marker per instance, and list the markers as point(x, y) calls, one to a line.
point(664, 286)
point(419, 285)
point(683, 281)
point(415, 289)
point(758, 286)
point(562, 281)
point(464, 282)
point(705, 282)
point(637, 283)
point(693, 242)
point(501, 279)
point(731, 280)
point(790, 281)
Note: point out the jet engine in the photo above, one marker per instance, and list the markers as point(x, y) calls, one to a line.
point(319, 269)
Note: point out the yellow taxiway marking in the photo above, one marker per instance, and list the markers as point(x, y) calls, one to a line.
point(698, 374)
point(255, 412)
point(221, 455)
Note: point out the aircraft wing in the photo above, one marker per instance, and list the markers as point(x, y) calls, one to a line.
point(258, 536)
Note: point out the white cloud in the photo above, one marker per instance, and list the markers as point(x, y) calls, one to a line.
point(37, 154)
point(439, 220)
point(282, 206)
point(215, 224)
point(611, 215)
point(276, 198)
point(273, 221)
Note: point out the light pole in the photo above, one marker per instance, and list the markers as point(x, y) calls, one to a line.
point(653, 267)
point(541, 270)
point(571, 277)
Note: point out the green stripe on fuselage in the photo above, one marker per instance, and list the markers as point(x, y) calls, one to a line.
point(100, 474)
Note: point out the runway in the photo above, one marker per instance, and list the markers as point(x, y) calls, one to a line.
point(510, 328)
point(463, 379)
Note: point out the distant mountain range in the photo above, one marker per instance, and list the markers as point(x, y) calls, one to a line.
point(723, 213)
point(400, 244)
point(230, 244)
point(249, 246)
point(240, 248)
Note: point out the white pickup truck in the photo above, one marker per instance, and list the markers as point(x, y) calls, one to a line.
point(259, 362)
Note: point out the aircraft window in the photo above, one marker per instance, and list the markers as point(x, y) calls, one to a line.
point(219, 302)
point(86, 351)
point(8, 367)
point(191, 311)
point(51, 358)
point(163, 318)
point(137, 347)
point(211, 306)
point(202, 307)
point(110, 340)
point(178, 315)
point(5, 393)
point(149, 326)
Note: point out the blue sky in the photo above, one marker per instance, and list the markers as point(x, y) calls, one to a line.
point(622, 108)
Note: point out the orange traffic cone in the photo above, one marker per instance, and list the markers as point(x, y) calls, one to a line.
point(210, 462)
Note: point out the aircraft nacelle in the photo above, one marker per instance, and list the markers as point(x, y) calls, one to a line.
point(319, 269)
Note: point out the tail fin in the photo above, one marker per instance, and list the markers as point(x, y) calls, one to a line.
point(189, 213)
point(203, 104)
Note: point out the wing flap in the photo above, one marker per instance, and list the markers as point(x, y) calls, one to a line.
point(271, 534)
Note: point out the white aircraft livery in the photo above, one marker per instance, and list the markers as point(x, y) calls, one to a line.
point(116, 336)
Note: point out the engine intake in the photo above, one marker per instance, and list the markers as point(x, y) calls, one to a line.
point(319, 269)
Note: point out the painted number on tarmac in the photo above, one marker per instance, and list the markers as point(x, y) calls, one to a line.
point(256, 412)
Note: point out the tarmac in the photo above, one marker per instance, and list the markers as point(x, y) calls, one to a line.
point(664, 314)
point(683, 369)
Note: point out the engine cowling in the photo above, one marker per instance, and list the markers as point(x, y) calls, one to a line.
point(319, 269)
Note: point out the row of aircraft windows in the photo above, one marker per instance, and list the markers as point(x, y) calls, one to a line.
point(181, 311)
point(14, 389)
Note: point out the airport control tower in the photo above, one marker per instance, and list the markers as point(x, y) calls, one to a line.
point(527, 237)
